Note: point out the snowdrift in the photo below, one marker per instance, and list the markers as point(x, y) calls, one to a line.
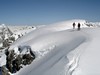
point(51, 43)
point(60, 50)
point(63, 45)
point(42, 31)
point(89, 63)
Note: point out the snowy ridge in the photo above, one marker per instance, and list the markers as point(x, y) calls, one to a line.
point(44, 38)
point(61, 50)
point(74, 57)
point(46, 30)
point(54, 56)
point(90, 56)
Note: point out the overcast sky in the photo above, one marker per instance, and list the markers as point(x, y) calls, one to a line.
point(47, 11)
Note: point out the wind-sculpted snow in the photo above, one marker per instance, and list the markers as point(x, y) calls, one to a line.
point(61, 50)
point(89, 63)
point(64, 43)
point(38, 33)
point(51, 44)
point(74, 53)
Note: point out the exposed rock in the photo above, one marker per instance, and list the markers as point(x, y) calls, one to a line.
point(15, 61)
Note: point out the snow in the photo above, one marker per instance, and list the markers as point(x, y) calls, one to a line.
point(94, 24)
point(60, 50)
point(89, 63)
point(2, 60)
point(17, 30)
point(21, 30)
point(50, 42)
point(46, 30)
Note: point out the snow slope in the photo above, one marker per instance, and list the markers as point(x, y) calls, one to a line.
point(63, 44)
point(50, 42)
point(46, 30)
point(62, 51)
point(89, 63)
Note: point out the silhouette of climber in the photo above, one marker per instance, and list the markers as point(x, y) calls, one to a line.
point(79, 26)
point(74, 25)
